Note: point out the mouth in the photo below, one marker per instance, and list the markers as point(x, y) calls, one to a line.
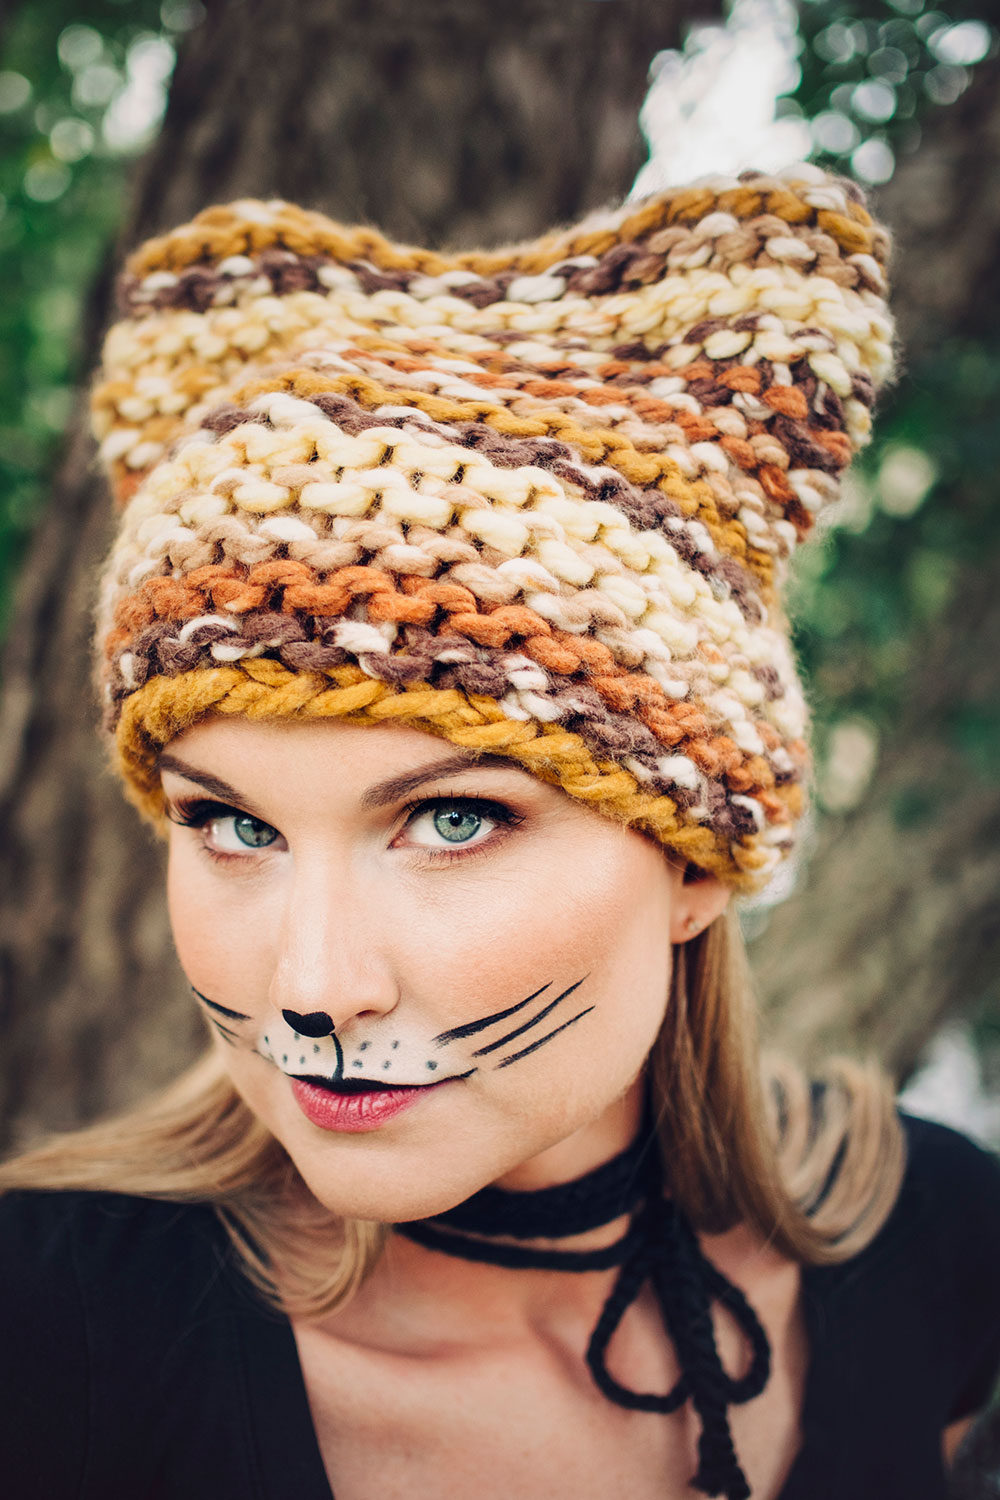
point(353, 1104)
point(351, 1087)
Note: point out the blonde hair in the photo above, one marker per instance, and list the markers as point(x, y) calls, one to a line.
point(813, 1169)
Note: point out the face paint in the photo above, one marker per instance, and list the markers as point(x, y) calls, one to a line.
point(340, 1089)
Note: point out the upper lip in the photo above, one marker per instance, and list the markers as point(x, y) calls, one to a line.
point(357, 1085)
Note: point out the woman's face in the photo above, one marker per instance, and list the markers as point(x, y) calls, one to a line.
point(426, 972)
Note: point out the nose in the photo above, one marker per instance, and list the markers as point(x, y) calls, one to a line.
point(333, 953)
point(316, 1023)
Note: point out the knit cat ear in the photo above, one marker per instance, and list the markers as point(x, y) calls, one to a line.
point(538, 499)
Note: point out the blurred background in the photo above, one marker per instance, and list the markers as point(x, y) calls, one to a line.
point(462, 121)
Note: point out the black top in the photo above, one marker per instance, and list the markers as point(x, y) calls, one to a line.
point(137, 1363)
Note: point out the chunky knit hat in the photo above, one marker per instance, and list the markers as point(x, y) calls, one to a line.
point(538, 500)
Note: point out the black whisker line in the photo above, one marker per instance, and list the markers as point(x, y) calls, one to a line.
point(459, 1033)
point(516, 1057)
point(234, 1015)
point(520, 1030)
point(224, 1031)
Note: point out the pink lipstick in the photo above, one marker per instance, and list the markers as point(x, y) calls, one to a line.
point(356, 1107)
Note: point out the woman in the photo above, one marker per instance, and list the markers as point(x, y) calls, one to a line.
point(442, 639)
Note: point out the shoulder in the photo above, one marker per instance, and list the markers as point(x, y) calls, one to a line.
point(43, 1233)
point(71, 1266)
point(936, 1261)
point(958, 1182)
point(108, 1309)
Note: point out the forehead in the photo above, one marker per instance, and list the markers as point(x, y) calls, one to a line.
point(331, 759)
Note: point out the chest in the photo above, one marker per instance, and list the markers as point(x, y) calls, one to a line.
point(524, 1418)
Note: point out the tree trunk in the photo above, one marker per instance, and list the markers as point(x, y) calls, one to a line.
point(447, 120)
point(899, 914)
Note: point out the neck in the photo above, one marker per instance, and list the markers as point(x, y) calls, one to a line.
point(473, 1296)
point(583, 1150)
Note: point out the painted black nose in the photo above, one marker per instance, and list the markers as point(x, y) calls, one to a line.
point(316, 1023)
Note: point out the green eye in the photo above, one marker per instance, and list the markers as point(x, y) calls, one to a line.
point(252, 832)
point(457, 824)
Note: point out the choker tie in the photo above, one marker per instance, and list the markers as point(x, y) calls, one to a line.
point(660, 1247)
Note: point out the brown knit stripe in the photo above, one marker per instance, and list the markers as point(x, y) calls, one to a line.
point(612, 710)
point(284, 587)
point(646, 510)
point(624, 266)
point(224, 230)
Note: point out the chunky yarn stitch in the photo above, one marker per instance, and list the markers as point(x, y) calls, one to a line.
point(538, 500)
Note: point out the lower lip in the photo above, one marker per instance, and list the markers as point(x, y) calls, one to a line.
point(354, 1112)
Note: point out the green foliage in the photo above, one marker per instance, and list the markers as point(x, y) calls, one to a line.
point(82, 88)
point(872, 71)
point(866, 597)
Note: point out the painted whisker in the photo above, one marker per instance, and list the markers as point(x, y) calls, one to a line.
point(524, 1052)
point(231, 1036)
point(223, 1010)
point(527, 1025)
point(471, 1028)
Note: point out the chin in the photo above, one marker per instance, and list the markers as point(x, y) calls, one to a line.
point(388, 1196)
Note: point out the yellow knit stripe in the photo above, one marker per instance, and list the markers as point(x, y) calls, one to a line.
point(229, 229)
point(262, 690)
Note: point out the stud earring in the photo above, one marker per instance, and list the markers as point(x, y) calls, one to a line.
point(691, 926)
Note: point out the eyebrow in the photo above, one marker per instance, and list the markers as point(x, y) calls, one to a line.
point(204, 779)
point(380, 795)
point(399, 786)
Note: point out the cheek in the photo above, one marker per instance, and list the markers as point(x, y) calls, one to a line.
point(598, 914)
point(221, 932)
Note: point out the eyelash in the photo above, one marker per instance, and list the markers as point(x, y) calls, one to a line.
point(199, 811)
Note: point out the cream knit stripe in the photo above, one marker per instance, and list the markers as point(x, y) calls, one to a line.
point(601, 454)
point(734, 489)
point(406, 480)
point(194, 531)
point(581, 478)
point(736, 492)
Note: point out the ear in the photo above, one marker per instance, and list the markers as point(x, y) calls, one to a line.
point(696, 900)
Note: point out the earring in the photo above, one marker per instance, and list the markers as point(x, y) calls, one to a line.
point(691, 926)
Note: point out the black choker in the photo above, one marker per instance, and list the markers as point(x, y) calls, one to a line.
point(659, 1246)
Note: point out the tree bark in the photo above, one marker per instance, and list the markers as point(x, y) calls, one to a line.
point(449, 120)
point(899, 914)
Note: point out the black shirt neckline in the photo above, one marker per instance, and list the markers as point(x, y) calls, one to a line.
point(287, 1448)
